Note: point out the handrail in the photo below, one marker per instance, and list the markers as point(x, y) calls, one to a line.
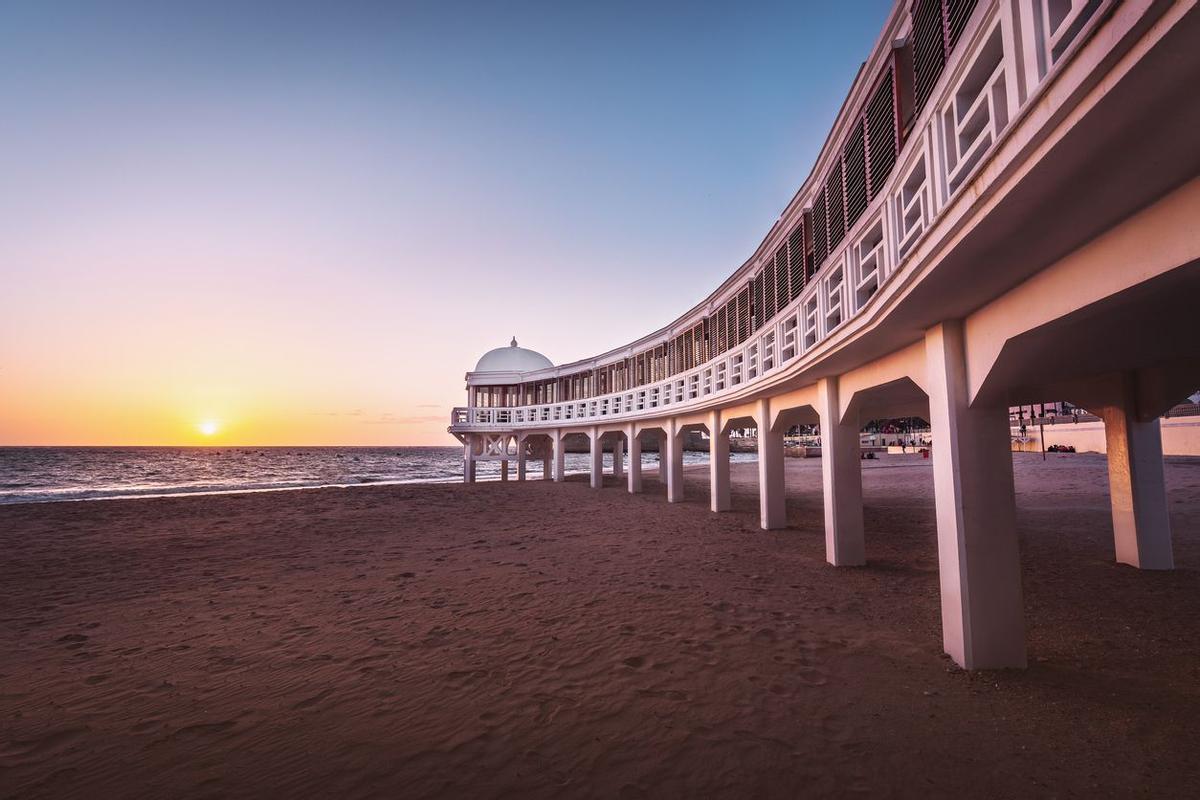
point(973, 104)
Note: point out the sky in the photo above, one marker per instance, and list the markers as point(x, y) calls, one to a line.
point(301, 223)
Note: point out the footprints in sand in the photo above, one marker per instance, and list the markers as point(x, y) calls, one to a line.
point(664, 694)
point(202, 729)
point(39, 748)
point(308, 702)
point(636, 662)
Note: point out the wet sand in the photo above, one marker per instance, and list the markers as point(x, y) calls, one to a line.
point(541, 640)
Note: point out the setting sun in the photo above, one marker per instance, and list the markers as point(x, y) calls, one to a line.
point(209, 427)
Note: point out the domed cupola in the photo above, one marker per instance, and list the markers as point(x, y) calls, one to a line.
point(512, 359)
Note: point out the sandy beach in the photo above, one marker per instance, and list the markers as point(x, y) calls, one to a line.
point(541, 640)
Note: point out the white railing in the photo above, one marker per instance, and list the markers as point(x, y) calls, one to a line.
point(975, 101)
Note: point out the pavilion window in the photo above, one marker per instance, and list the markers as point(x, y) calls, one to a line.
point(795, 246)
point(937, 26)
point(743, 305)
point(820, 234)
point(767, 308)
point(782, 295)
point(836, 205)
point(883, 133)
point(757, 309)
point(854, 161)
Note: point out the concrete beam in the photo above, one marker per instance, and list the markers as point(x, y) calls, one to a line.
point(718, 463)
point(672, 464)
point(634, 482)
point(597, 460)
point(772, 498)
point(560, 457)
point(841, 479)
point(978, 560)
point(1141, 524)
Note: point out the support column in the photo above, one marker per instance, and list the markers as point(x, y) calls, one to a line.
point(841, 479)
point(521, 466)
point(468, 461)
point(978, 561)
point(772, 500)
point(635, 460)
point(718, 463)
point(504, 470)
point(618, 457)
point(1138, 491)
point(597, 452)
point(547, 470)
point(672, 464)
point(560, 458)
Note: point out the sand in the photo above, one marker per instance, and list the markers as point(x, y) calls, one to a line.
point(541, 640)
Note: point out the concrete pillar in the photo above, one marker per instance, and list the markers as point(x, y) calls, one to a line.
point(841, 479)
point(772, 498)
point(978, 561)
point(635, 460)
point(618, 457)
point(672, 464)
point(521, 465)
point(597, 452)
point(468, 462)
point(560, 458)
point(1141, 525)
point(547, 470)
point(718, 463)
point(504, 470)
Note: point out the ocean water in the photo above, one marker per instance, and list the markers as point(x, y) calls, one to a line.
point(47, 474)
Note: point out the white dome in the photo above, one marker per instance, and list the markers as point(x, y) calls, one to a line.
point(512, 359)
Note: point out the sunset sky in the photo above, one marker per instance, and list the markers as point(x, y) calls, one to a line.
point(301, 223)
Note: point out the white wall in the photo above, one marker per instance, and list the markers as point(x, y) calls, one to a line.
point(1180, 437)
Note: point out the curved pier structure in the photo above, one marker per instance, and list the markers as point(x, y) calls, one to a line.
point(1006, 209)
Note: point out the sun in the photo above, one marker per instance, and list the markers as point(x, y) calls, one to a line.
point(209, 427)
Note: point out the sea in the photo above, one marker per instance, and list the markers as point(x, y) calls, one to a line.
point(54, 474)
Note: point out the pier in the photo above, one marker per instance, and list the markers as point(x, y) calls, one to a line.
point(1005, 211)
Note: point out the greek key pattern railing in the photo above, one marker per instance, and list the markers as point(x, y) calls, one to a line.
point(975, 100)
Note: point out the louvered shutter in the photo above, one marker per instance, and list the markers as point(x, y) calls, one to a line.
point(854, 158)
point(796, 259)
point(781, 279)
point(882, 133)
point(835, 201)
point(820, 232)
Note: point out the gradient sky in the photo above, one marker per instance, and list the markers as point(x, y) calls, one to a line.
point(306, 221)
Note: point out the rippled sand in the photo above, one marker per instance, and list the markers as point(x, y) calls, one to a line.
point(539, 640)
